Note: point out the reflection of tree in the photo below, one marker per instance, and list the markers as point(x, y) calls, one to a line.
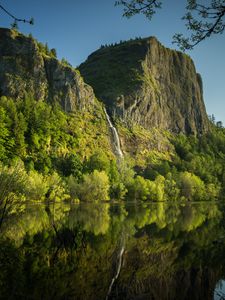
point(168, 246)
point(187, 251)
point(31, 221)
point(174, 217)
point(93, 218)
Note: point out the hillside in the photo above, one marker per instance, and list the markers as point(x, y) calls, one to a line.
point(142, 82)
point(57, 142)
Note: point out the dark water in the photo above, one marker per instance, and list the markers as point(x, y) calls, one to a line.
point(113, 251)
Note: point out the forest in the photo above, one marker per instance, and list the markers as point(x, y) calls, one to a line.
point(44, 156)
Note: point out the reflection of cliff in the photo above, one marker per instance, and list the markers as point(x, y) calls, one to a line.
point(194, 284)
point(155, 269)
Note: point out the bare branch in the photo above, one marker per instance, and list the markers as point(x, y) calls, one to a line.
point(15, 19)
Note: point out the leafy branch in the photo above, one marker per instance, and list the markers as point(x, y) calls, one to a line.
point(201, 20)
point(133, 7)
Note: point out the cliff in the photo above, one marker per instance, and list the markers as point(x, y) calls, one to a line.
point(25, 68)
point(144, 83)
point(32, 79)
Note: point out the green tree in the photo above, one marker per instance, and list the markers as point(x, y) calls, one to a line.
point(6, 141)
point(191, 186)
point(95, 186)
point(13, 181)
point(117, 187)
point(98, 161)
point(157, 188)
point(71, 165)
point(53, 53)
point(139, 189)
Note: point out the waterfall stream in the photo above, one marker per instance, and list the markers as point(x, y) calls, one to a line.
point(116, 140)
point(119, 153)
point(118, 268)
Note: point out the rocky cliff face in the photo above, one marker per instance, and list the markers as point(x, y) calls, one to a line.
point(145, 83)
point(25, 68)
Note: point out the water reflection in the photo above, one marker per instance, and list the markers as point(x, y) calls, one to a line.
point(118, 251)
point(219, 292)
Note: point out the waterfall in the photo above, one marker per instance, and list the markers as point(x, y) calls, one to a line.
point(118, 268)
point(116, 140)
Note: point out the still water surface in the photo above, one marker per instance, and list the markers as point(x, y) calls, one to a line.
point(114, 251)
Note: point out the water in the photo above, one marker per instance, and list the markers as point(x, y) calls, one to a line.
point(113, 251)
point(115, 136)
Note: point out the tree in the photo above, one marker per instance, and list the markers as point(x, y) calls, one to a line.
point(15, 19)
point(13, 181)
point(192, 187)
point(53, 53)
point(202, 20)
point(94, 187)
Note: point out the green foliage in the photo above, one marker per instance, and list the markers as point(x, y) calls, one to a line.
point(98, 161)
point(192, 187)
point(69, 155)
point(73, 187)
point(13, 180)
point(52, 145)
point(65, 62)
point(95, 186)
point(47, 138)
point(6, 141)
point(118, 189)
point(139, 188)
point(202, 20)
point(193, 170)
point(44, 49)
point(71, 165)
point(36, 186)
point(56, 188)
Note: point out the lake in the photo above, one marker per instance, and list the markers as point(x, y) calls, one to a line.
point(137, 250)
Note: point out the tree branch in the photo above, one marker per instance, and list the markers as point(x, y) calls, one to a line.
point(31, 21)
point(202, 20)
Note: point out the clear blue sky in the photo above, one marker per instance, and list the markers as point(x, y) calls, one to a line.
point(78, 27)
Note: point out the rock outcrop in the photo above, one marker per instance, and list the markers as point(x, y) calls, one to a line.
point(143, 82)
point(26, 69)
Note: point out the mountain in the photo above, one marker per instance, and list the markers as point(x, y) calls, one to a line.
point(53, 127)
point(28, 67)
point(144, 83)
point(47, 111)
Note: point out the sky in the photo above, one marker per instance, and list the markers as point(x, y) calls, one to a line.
point(76, 28)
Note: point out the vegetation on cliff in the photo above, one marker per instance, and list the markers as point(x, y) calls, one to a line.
point(52, 155)
point(59, 147)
